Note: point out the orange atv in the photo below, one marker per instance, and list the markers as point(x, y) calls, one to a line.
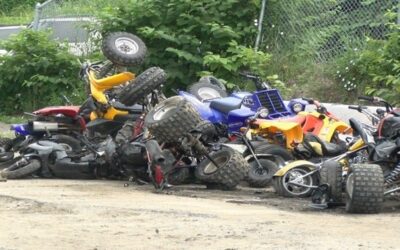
point(291, 132)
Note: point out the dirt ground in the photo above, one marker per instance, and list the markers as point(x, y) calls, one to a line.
point(71, 214)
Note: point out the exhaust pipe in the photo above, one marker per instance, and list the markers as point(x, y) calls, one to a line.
point(155, 151)
point(45, 126)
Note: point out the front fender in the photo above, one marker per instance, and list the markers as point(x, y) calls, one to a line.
point(295, 164)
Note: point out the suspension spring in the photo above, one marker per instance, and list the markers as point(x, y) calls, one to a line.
point(394, 175)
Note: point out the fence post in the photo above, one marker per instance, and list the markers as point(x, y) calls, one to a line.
point(38, 11)
point(398, 12)
point(260, 24)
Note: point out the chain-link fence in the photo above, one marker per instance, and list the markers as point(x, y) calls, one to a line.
point(322, 29)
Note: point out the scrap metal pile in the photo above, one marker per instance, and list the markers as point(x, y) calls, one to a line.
point(128, 129)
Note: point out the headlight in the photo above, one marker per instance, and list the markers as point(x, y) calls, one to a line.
point(263, 113)
point(297, 107)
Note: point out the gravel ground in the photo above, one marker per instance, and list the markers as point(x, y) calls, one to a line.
point(71, 214)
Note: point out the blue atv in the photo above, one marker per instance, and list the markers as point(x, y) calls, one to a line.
point(230, 113)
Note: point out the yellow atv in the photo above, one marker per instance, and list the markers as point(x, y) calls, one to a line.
point(289, 132)
point(114, 94)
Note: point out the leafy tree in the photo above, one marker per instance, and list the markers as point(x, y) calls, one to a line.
point(376, 68)
point(189, 38)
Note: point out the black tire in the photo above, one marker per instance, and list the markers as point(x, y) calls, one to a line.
point(276, 150)
point(6, 143)
point(331, 174)
point(213, 80)
point(6, 156)
point(208, 131)
point(124, 49)
point(16, 171)
point(205, 91)
point(365, 189)
point(179, 176)
point(71, 144)
point(260, 178)
point(277, 186)
point(174, 123)
point(232, 169)
point(144, 84)
point(285, 189)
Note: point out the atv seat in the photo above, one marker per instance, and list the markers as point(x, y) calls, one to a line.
point(226, 104)
point(327, 148)
point(135, 109)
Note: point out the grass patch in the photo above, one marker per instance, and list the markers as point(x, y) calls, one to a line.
point(11, 119)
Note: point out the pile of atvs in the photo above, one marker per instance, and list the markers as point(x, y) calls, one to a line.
point(128, 129)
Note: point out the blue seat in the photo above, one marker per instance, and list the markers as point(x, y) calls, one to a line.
point(226, 104)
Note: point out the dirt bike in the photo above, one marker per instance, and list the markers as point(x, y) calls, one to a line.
point(177, 126)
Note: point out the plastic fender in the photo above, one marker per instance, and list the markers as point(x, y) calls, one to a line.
point(330, 127)
point(240, 95)
point(301, 163)
point(292, 130)
point(202, 107)
point(237, 118)
point(97, 94)
point(112, 112)
point(21, 129)
point(358, 144)
point(111, 81)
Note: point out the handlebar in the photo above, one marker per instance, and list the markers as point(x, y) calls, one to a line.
point(260, 85)
point(377, 100)
point(358, 108)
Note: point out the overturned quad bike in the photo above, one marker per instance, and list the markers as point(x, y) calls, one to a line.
point(184, 137)
point(112, 103)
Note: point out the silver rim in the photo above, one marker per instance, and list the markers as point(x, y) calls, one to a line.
point(126, 46)
point(295, 176)
point(350, 185)
point(66, 147)
point(211, 168)
point(161, 111)
point(208, 93)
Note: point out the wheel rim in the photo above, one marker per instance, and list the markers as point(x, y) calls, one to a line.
point(211, 168)
point(126, 46)
point(161, 111)
point(294, 175)
point(66, 147)
point(259, 170)
point(350, 185)
point(208, 93)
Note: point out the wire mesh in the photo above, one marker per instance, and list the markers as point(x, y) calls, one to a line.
point(323, 29)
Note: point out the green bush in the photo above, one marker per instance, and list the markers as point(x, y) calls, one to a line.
point(375, 70)
point(36, 73)
point(7, 6)
point(188, 38)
